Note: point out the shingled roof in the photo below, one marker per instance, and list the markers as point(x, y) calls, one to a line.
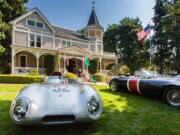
point(93, 20)
point(68, 33)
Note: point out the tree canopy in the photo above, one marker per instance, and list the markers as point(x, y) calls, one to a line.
point(9, 10)
point(122, 39)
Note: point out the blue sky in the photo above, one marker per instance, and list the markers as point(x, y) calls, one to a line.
point(74, 14)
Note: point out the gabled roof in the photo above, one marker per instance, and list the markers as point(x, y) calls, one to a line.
point(15, 21)
point(69, 33)
point(93, 20)
point(75, 49)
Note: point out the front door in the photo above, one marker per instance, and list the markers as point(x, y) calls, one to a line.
point(72, 66)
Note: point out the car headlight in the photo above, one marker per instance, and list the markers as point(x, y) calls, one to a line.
point(94, 108)
point(20, 109)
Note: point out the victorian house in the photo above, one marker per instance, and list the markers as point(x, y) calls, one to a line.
point(33, 37)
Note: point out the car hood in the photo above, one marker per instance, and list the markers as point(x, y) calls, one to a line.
point(51, 99)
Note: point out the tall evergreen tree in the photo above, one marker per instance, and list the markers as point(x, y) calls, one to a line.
point(132, 53)
point(160, 37)
point(172, 26)
point(9, 10)
point(111, 38)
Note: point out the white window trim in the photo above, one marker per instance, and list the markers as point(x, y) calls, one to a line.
point(35, 40)
point(29, 39)
point(35, 21)
point(39, 22)
point(20, 59)
point(30, 25)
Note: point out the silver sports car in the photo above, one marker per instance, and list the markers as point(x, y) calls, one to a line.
point(56, 101)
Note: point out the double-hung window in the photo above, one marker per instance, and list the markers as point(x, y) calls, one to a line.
point(38, 41)
point(32, 40)
point(35, 41)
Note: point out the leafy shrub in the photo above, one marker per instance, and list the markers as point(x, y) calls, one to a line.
point(119, 70)
point(33, 72)
point(20, 79)
point(99, 77)
point(70, 75)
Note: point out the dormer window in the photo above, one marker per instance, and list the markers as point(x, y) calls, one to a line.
point(39, 25)
point(31, 23)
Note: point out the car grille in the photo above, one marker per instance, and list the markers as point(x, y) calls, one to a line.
point(58, 118)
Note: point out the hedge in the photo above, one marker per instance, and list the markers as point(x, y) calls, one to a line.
point(22, 79)
point(70, 75)
point(33, 72)
point(99, 77)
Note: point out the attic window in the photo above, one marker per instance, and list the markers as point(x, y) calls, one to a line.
point(39, 25)
point(31, 23)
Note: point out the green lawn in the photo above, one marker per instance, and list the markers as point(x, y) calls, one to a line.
point(123, 114)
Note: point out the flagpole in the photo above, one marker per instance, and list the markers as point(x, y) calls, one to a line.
point(150, 44)
point(150, 49)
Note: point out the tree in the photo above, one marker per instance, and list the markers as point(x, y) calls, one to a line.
point(9, 10)
point(81, 31)
point(132, 53)
point(161, 37)
point(111, 38)
point(172, 26)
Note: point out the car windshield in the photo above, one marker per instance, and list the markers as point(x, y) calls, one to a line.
point(58, 80)
point(146, 74)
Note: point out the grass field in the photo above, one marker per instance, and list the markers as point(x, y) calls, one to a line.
point(123, 114)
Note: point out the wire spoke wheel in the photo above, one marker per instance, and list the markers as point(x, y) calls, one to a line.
point(173, 97)
point(114, 86)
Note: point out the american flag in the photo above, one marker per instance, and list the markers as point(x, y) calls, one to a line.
point(143, 33)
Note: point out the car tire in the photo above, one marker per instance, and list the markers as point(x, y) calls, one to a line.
point(114, 86)
point(172, 96)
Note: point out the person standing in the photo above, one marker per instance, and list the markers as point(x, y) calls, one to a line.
point(79, 75)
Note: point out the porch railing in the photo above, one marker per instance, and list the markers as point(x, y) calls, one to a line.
point(26, 70)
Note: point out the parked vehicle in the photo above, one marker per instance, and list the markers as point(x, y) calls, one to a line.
point(56, 101)
point(149, 83)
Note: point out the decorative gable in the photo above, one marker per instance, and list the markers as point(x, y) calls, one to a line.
point(74, 50)
point(33, 14)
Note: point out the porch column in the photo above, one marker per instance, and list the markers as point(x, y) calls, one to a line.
point(116, 61)
point(59, 62)
point(37, 64)
point(12, 61)
point(83, 65)
point(100, 60)
point(64, 64)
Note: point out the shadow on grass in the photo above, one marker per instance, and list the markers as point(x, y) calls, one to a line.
point(127, 94)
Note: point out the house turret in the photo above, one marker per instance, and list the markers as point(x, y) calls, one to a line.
point(93, 28)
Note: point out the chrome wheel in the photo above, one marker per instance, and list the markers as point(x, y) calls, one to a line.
point(114, 86)
point(173, 97)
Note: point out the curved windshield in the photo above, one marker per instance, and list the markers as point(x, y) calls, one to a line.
point(146, 74)
point(57, 80)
